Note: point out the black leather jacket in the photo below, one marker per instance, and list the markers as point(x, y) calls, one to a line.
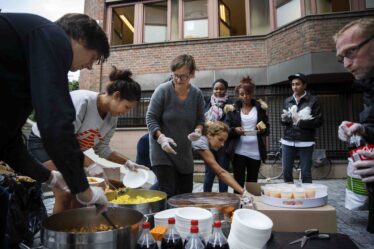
point(233, 120)
point(305, 130)
point(367, 115)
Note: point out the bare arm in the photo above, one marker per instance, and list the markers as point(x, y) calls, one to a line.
point(222, 174)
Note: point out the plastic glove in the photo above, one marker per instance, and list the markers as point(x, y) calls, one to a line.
point(247, 197)
point(58, 181)
point(94, 170)
point(286, 116)
point(98, 198)
point(194, 136)
point(365, 168)
point(347, 129)
point(295, 118)
point(166, 143)
point(134, 166)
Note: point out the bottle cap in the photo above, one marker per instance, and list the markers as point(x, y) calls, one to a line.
point(217, 223)
point(171, 220)
point(146, 225)
point(194, 222)
point(194, 229)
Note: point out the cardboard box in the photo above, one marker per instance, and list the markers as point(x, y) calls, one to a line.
point(254, 188)
point(298, 220)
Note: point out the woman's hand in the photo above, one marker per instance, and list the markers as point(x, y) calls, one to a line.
point(239, 131)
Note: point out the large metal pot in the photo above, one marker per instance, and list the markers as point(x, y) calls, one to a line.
point(149, 208)
point(222, 205)
point(54, 229)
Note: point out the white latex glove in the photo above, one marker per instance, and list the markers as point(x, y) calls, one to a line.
point(134, 166)
point(247, 197)
point(365, 168)
point(295, 118)
point(94, 170)
point(286, 116)
point(194, 136)
point(166, 143)
point(98, 198)
point(347, 129)
point(58, 181)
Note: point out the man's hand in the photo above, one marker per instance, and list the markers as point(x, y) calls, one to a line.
point(94, 170)
point(286, 116)
point(194, 136)
point(93, 196)
point(166, 143)
point(347, 129)
point(134, 166)
point(247, 197)
point(57, 181)
point(365, 168)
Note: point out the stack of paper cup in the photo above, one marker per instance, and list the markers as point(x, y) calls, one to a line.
point(250, 229)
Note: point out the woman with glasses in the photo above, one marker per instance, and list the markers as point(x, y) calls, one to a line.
point(175, 117)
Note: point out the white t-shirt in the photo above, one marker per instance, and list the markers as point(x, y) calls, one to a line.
point(248, 145)
point(91, 130)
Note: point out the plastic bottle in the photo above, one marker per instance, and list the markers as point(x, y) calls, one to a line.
point(357, 143)
point(217, 240)
point(146, 240)
point(171, 239)
point(194, 223)
point(194, 242)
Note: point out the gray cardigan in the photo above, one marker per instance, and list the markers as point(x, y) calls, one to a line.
point(176, 119)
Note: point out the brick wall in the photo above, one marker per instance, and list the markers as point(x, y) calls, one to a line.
point(309, 34)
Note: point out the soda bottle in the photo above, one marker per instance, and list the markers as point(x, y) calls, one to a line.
point(194, 242)
point(146, 240)
point(217, 240)
point(357, 143)
point(194, 223)
point(171, 239)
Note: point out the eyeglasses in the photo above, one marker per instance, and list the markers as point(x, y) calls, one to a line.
point(351, 53)
point(182, 77)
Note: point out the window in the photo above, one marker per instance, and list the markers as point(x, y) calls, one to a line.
point(174, 20)
point(195, 19)
point(327, 6)
point(123, 25)
point(288, 12)
point(369, 4)
point(260, 17)
point(308, 7)
point(155, 22)
point(231, 15)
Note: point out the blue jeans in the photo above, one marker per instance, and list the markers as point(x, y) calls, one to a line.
point(289, 154)
point(223, 161)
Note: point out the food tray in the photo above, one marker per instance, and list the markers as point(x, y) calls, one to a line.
point(320, 200)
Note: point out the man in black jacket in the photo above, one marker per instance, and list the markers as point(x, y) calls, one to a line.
point(35, 57)
point(355, 49)
point(301, 117)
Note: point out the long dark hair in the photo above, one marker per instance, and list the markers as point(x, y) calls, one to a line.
point(122, 82)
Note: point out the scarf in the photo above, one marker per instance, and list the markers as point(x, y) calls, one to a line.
point(215, 112)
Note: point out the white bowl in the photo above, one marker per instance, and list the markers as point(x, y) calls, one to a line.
point(95, 181)
point(135, 179)
point(253, 220)
point(193, 213)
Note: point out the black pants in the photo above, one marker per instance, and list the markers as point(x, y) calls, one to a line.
point(4, 205)
point(370, 227)
point(241, 164)
point(171, 181)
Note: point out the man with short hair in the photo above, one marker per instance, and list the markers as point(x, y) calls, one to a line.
point(301, 117)
point(355, 49)
point(35, 57)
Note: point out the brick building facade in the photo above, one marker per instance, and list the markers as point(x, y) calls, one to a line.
point(302, 45)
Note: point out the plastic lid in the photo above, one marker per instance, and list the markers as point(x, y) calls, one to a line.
point(171, 220)
point(194, 222)
point(146, 225)
point(194, 229)
point(217, 223)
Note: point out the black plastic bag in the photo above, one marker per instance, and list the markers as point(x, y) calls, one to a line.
point(26, 210)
